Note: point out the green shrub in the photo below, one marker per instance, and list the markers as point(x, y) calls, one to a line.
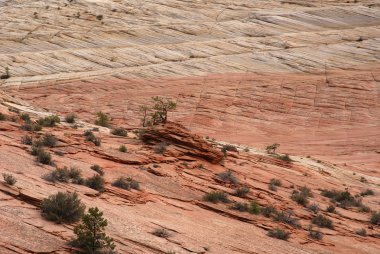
point(330, 209)
point(343, 198)
point(229, 147)
point(89, 136)
point(254, 208)
point(43, 157)
point(300, 198)
point(27, 140)
point(279, 234)
point(306, 191)
point(123, 149)
point(375, 218)
point(239, 206)
point(119, 132)
point(367, 192)
point(287, 217)
point(103, 119)
point(65, 175)
point(268, 211)
point(62, 207)
point(241, 192)
point(25, 117)
point(2, 117)
point(160, 148)
point(276, 182)
point(49, 140)
point(161, 232)
point(315, 234)
point(90, 234)
point(9, 179)
point(314, 208)
point(361, 232)
point(126, 183)
point(216, 197)
point(70, 118)
point(272, 148)
point(98, 169)
point(285, 157)
point(322, 221)
point(95, 182)
point(227, 177)
point(49, 121)
point(31, 127)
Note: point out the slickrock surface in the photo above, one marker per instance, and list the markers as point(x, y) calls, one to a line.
point(305, 74)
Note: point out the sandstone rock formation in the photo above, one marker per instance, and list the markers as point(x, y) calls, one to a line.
point(246, 73)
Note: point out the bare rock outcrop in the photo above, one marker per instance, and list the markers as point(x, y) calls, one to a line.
point(186, 142)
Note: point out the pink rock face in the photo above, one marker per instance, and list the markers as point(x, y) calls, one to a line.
point(244, 73)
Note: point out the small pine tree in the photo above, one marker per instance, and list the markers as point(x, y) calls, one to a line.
point(90, 234)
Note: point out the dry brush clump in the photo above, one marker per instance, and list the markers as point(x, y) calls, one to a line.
point(63, 207)
point(216, 197)
point(126, 183)
point(9, 179)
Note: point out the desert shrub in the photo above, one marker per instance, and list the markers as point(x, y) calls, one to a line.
point(375, 218)
point(275, 182)
point(241, 192)
point(2, 117)
point(90, 137)
point(279, 234)
point(160, 148)
point(254, 208)
point(126, 183)
point(239, 206)
point(330, 209)
point(31, 127)
point(49, 121)
point(287, 217)
point(70, 118)
point(161, 232)
point(299, 197)
point(322, 221)
point(49, 140)
point(103, 119)
point(361, 232)
point(95, 182)
point(272, 187)
point(99, 17)
point(272, 148)
point(119, 132)
point(123, 149)
point(90, 233)
point(306, 191)
point(98, 169)
point(343, 198)
point(227, 177)
point(27, 140)
point(367, 192)
point(216, 197)
point(364, 209)
point(363, 179)
point(9, 179)
point(285, 158)
point(25, 117)
point(43, 157)
point(229, 147)
point(65, 175)
point(314, 208)
point(268, 211)
point(62, 207)
point(315, 234)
